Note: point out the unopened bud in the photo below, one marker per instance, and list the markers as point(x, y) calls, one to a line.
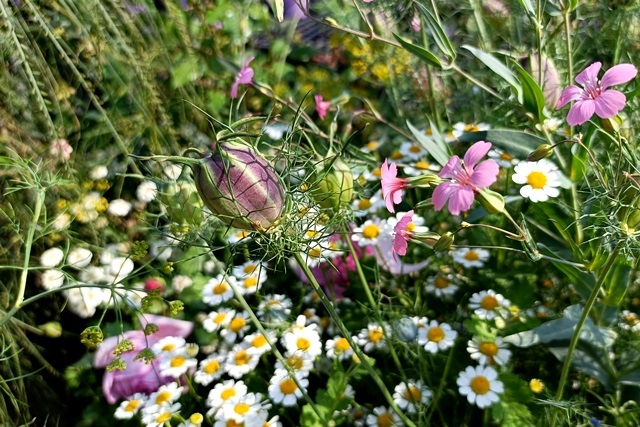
point(427, 180)
point(542, 152)
point(404, 329)
point(491, 201)
point(51, 329)
point(240, 187)
point(332, 184)
point(444, 243)
point(612, 124)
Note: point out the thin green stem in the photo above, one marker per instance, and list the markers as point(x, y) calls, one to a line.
point(40, 196)
point(347, 335)
point(585, 313)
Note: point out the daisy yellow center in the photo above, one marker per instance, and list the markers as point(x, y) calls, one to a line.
point(303, 344)
point(315, 252)
point(295, 362)
point(342, 345)
point(422, 165)
point(480, 385)
point(163, 397)
point(413, 394)
point(196, 418)
point(237, 324)
point(536, 385)
point(428, 131)
point(212, 367)
point(471, 256)
point(376, 335)
point(489, 302)
point(219, 318)
point(370, 231)
point(471, 128)
point(631, 319)
point(385, 420)
point(164, 417)
point(415, 149)
point(441, 283)
point(232, 423)
point(364, 204)
point(311, 234)
point(396, 155)
point(220, 288)
point(435, 334)
point(259, 341)
point(488, 348)
point(372, 145)
point(132, 405)
point(241, 234)
point(227, 393)
point(250, 282)
point(168, 347)
point(248, 269)
point(537, 180)
point(242, 358)
point(377, 172)
point(241, 408)
point(288, 386)
point(506, 157)
point(178, 361)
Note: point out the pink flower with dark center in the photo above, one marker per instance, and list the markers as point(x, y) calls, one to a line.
point(321, 106)
point(244, 77)
point(466, 178)
point(594, 97)
point(401, 235)
point(392, 186)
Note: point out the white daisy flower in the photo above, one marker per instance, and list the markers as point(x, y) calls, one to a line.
point(541, 180)
point(147, 191)
point(300, 364)
point(415, 226)
point(629, 321)
point(274, 308)
point(250, 284)
point(480, 385)
point(421, 167)
point(371, 146)
point(247, 410)
point(79, 258)
point(52, 279)
point(488, 305)
point(284, 390)
point(461, 128)
point(169, 345)
point(504, 160)
point(210, 369)
point(366, 206)
point(372, 338)
point(218, 319)
point(410, 395)
point(276, 130)
point(304, 342)
point(488, 352)
point(369, 232)
point(176, 364)
point(130, 406)
point(412, 150)
point(166, 394)
point(442, 286)
point(236, 327)
point(471, 257)
point(250, 268)
point(383, 417)
point(159, 415)
point(240, 362)
point(224, 392)
point(119, 207)
point(338, 348)
point(258, 344)
point(52, 257)
point(218, 290)
point(235, 236)
point(437, 337)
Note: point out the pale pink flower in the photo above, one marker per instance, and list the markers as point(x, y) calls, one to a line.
point(401, 235)
point(466, 178)
point(321, 106)
point(594, 97)
point(60, 149)
point(244, 77)
point(392, 186)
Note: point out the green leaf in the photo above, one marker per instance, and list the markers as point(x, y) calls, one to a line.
point(188, 70)
point(309, 418)
point(497, 67)
point(437, 148)
point(532, 96)
point(583, 281)
point(439, 35)
point(528, 7)
point(420, 52)
point(515, 142)
point(617, 281)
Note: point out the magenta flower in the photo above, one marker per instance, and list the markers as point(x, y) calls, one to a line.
point(391, 185)
point(401, 235)
point(466, 178)
point(244, 77)
point(594, 95)
point(321, 106)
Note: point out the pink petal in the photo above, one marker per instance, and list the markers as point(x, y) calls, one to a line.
point(399, 245)
point(571, 93)
point(234, 89)
point(384, 253)
point(609, 103)
point(245, 76)
point(580, 112)
point(589, 75)
point(486, 173)
point(442, 193)
point(449, 170)
point(475, 153)
point(461, 200)
point(618, 74)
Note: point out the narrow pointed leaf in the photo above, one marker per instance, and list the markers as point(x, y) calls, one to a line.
point(497, 67)
point(440, 37)
point(420, 52)
point(532, 96)
point(514, 142)
point(437, 149)
point(617, 281)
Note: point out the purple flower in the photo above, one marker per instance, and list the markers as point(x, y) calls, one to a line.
point(244, 77)
point(594, 95)
point(466, 178)
point(401, 235)
point(138, 377)
point(321, 106)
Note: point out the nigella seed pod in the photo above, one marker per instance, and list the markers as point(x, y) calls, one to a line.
point(332, 184)
point(239, 186)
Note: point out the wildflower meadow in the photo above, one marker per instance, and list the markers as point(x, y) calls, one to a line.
point(319, 213)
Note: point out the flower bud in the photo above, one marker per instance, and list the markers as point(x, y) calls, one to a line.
point(238, 185)
point(542, 152)
point(445, 241)
point(404, 329)
point(332, 184)
point(491, 201)
point(51, 329)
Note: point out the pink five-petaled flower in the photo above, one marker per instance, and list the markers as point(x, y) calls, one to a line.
point(594, 95)
point(321, 106)
point(401, 235)
point(465, 179)
point(244, 77)
point(392, 186)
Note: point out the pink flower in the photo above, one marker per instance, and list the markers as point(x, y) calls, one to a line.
point(321, 106)
point(244, 77)
point(594, 96)
point(401, 235)
point(60, 149)
point(466, 178)
point(391, 185)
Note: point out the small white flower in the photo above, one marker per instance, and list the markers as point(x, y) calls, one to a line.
point(98, 172)
point(436, 336)
point(338, 348)
point(410, 395)
point(421, 167)
point(284, 390)
point(629, 321)
point(210, 369)
point(218, 319)
point(159, 415)
point(371, 146)
point(276, 130)
point(147, 191)
point(218, 290)
point(236, 328)
point(166, 394)
point(130, 406)
point(246, 411)
point(172, 171)
point(258, 343)
point(249, 268)
point(119, 269)
point(119, 207)
point(366, 206)
point(488, 352)
point(480, 385)
point(240, 362)
point(412, 150)
point(369, 232)
point(372, 338)
point(443, 286)
point(169, 345)
point(382, 416)
point(304, 342)
point(61, 222)
point(224, 392)
point(176, 364)
point(541, 180)
point(79, 257)
point(300, 364)
point(52, 279)
point(471, 257)
point(52, 257)
point(505, 160)
point(488, 305)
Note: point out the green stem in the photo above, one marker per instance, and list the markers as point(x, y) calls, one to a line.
point(347, 335)
point(585, 313)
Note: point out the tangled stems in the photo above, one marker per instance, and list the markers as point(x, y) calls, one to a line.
point(347, 335)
